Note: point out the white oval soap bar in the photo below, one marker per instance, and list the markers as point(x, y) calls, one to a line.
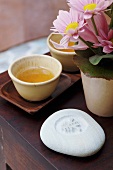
point(72, 132)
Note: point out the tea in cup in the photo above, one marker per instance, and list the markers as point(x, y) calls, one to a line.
point(35, 77)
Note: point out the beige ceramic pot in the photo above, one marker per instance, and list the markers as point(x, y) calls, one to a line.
point(65, 57)
point(99, 95)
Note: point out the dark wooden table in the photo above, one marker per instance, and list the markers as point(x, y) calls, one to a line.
point(22, 149)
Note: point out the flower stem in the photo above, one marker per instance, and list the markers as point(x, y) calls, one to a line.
point(111, 23)
point(94, 25)
point(96, 31)
point(88, 44)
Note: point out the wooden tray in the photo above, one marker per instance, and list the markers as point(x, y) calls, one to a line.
point(9, 93)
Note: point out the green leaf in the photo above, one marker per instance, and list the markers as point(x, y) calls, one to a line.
point(97, 58)
point(95, 71)
point(84, 53)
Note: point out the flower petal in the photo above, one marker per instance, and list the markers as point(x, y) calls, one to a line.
point(106, 49)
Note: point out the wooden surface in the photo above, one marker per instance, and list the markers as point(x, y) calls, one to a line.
point(24, 20)
point(8, 92)
point(23, 149)
point(2, 158)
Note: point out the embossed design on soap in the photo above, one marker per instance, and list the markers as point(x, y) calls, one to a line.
point(70, 125)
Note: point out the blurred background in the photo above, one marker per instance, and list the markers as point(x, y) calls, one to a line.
point(24, 27)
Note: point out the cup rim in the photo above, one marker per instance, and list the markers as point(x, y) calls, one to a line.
point(38, 83)
point(55, 50)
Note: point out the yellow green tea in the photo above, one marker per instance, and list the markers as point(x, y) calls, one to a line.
point(68, 50)
point(35, 75)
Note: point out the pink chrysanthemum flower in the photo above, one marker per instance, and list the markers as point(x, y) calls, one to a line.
point(69, 25)
point(89, 7)
point(105, 41)
point(100, 22)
